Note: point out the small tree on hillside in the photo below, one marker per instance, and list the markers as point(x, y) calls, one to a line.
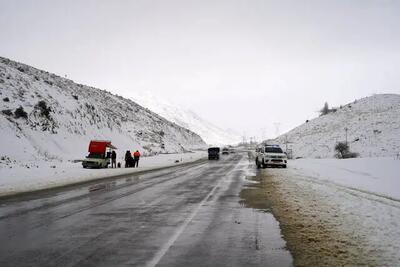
point(342, 149)
point(325, 110)
point(20, 113)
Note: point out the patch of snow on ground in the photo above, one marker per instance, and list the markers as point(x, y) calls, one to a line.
point(380, 176)
point(364, 195)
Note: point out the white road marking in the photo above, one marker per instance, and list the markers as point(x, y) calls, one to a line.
point(158, 256)
point(164, 249)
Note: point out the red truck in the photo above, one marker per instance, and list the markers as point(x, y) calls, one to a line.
point(99, 154)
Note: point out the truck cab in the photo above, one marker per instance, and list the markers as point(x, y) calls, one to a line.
point(99, 154)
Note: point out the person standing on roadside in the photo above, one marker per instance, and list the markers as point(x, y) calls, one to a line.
point(113, 159)
point(136, 157)
point(127, 159)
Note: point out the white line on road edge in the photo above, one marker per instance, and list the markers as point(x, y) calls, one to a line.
point(158, 256)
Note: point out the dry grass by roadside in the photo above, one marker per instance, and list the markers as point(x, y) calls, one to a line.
point(308, 223)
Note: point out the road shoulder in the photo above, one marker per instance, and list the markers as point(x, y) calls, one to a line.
point(314, 226)
point(16, 180)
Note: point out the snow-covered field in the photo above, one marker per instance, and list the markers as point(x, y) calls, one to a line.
point(378, 176)
point(15, 178)
point(359, 198)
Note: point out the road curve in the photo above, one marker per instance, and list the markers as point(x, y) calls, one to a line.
point(185, 216)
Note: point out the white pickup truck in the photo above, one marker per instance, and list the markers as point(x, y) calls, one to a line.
point(270, 155)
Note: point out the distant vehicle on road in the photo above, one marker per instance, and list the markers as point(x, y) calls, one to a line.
point(225, 151)
point(99, 154)
point(270, 155)
point(213, 153)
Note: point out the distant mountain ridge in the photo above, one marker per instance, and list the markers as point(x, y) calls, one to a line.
point(210, 133)
point(373, 129)
point(44, 117)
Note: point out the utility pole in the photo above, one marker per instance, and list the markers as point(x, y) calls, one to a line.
point(346, 129)
point(289, 152)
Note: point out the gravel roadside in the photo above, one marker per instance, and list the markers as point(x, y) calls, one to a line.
point(310, 223)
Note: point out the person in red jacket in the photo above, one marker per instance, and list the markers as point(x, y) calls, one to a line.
point(136, 157)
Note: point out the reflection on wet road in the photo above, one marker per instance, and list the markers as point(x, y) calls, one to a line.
point(189, 215)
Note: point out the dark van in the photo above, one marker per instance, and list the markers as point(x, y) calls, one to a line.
point(213, 153)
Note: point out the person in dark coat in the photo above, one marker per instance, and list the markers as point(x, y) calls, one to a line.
point(128, 159)
point(136, 157)
point(113, 159)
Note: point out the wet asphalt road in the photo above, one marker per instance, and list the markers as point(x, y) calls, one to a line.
point(183, 216)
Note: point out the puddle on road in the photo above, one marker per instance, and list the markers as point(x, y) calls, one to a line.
point(113, 184)
point(254, 197)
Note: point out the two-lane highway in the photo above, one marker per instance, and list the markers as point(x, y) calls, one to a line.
point(183, 216)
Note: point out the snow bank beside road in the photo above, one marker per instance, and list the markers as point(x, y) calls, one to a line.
point(380, 176)
point(353, 203)
point(36, 176)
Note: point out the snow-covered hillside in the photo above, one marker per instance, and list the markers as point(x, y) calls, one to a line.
point(373, 125)
point(210, 133)
point(44, 116)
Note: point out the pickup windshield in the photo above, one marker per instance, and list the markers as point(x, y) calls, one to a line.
point(273, 150)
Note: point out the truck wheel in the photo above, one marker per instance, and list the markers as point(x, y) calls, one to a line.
point(284, 166)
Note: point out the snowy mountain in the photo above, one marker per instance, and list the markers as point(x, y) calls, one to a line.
point(44, 117)
point(210, 133)
point(373, 130)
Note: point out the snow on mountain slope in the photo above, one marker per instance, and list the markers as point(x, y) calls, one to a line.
point(210, 133)
point(373, 125)
point(62, 117)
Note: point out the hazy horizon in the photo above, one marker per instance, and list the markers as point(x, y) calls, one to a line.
point(238, 64)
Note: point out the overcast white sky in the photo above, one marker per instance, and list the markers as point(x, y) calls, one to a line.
point(243, 65)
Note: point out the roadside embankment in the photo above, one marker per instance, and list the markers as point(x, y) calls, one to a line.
point(34, 176)
point(312, 238)
point(329, 225)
